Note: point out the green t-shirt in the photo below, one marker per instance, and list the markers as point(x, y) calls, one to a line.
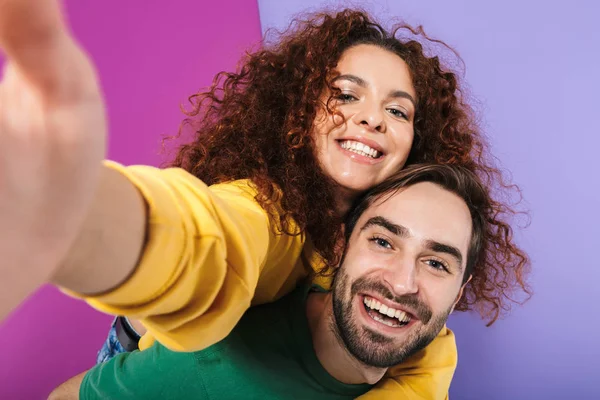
point(269, 355)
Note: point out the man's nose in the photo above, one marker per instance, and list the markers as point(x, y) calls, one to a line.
point(402, 279)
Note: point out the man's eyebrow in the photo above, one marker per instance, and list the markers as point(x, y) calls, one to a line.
point(445, 248)
point(385, 223)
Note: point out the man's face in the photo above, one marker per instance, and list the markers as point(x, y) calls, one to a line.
point(401, 274)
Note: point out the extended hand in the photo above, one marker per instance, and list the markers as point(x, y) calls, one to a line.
point(52, 142)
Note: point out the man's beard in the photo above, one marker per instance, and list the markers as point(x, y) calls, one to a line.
point(373, 348)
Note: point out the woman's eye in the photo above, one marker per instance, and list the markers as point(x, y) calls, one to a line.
point(345, 97)
point(397, 113)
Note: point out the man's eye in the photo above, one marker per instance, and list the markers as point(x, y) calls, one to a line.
point(438, 265)
point(381, 242)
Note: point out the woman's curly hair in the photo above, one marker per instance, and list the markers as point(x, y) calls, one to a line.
point(257, 124)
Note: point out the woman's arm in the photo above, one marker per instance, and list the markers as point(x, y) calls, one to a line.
point(157, 245)
point(194, 265)
point(110, 241)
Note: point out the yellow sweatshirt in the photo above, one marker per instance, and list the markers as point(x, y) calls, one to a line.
point(210, 254)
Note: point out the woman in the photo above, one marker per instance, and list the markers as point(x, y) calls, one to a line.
point(267, 124)
point(256, 200)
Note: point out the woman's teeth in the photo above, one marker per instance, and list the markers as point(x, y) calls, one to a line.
point(360, 148)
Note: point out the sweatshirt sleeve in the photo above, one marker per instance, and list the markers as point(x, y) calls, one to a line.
point(205, 250)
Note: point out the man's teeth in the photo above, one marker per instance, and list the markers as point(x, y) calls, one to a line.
point(385, 322)
point(360, 148)
point(385, 310)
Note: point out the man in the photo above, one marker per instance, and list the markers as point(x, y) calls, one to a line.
point(412, 245)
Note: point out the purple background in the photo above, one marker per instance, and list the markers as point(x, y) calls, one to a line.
point(150, 56)
point(531, 66)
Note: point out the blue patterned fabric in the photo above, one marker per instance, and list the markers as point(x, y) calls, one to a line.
point(111, 346)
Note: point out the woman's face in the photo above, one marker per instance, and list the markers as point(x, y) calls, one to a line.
point(377, 101)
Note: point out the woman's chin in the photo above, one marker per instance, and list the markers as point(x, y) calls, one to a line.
point(352, 187)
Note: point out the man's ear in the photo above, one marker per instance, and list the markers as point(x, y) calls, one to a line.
point(460, 293)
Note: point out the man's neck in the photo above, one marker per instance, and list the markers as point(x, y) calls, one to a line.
point(330, 348)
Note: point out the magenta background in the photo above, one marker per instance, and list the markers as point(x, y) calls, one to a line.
point(150, 56)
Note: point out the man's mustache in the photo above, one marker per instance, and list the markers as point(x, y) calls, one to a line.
point(411, 301)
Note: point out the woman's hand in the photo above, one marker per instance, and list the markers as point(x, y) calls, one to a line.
point(52, 141)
